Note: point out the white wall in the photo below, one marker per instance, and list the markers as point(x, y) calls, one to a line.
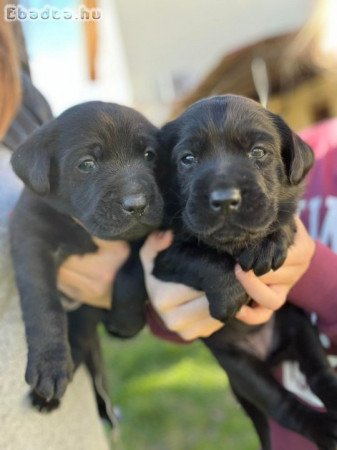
point(164, 38)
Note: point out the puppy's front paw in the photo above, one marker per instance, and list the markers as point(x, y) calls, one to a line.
point(269, 254)
point(49, 371)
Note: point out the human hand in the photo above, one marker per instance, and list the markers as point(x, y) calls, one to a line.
point(89, 278)
point(270, 291)
point(181, 308)
point(186, 311)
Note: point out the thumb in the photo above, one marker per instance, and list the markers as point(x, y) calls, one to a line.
point(155, 243)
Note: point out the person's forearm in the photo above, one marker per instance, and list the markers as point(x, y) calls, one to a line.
point(316, 291)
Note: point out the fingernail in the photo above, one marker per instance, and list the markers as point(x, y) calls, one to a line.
point(239, 313)
point(158, 235)
point(164, 234)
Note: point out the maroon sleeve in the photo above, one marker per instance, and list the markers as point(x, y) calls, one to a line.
point(282, 438)
point(315, 295)
point(310, 294)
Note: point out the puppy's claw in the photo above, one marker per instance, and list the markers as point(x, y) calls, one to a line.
point(261, 268)
point(279, 259)
point(261, 258)
point(246, 260)
point(41, 404)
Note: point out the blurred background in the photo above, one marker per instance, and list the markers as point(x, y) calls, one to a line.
point(152, 54)
point(159, 56)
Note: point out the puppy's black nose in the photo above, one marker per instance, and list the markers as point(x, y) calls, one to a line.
point(225, 200)
point(134, 204)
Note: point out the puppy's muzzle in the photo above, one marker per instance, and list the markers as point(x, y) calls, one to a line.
point(225, 201)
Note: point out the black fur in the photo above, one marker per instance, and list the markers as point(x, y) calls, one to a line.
point(211, 150)
point(237, 173)
point(90, 172)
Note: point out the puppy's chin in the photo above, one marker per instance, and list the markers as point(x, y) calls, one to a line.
point(121, 226)
point(225, 234)
point(230, 242)
point(136, 232)
point(133, 230)
point(132, 233)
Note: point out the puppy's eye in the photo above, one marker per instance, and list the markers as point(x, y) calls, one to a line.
point(150, 154)
point(188, 159)
point(87, 165)
point(257, 153)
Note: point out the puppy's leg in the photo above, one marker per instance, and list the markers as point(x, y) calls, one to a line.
point(253, 381)
point(259, 420)
point(269, 253)
point(82, 330)
point(95, 364)
point(204, 270)
point(49, 366)
point(321, 378)
point(127, 314)
point(86, 349)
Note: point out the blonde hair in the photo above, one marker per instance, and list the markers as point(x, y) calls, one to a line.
point(10, 85)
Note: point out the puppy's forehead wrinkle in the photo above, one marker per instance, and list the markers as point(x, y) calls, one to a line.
point(107, 123)
point(224, 122)
point(216, 116)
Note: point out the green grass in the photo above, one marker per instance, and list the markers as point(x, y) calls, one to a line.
point(173, 397)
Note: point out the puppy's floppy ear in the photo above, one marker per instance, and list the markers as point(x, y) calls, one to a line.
point(297, 156)
point(31, 161)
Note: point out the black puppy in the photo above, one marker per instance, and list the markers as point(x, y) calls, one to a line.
point(89, 172)
point(236, 176)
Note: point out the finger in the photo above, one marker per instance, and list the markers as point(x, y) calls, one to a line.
point(299, 224)
point(201, 329)
point(154, 244)
point(80, 287)
point(181, 317)
point(121, 247)
point(286, 274)
point(102, 265)
point(259, 291)
point(70, 292)
point(84, 297)
point(254, 315)
point(166, 295)
point(301, 241)
point(90, 269)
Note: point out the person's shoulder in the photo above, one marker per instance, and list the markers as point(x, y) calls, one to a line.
point(322, 136)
